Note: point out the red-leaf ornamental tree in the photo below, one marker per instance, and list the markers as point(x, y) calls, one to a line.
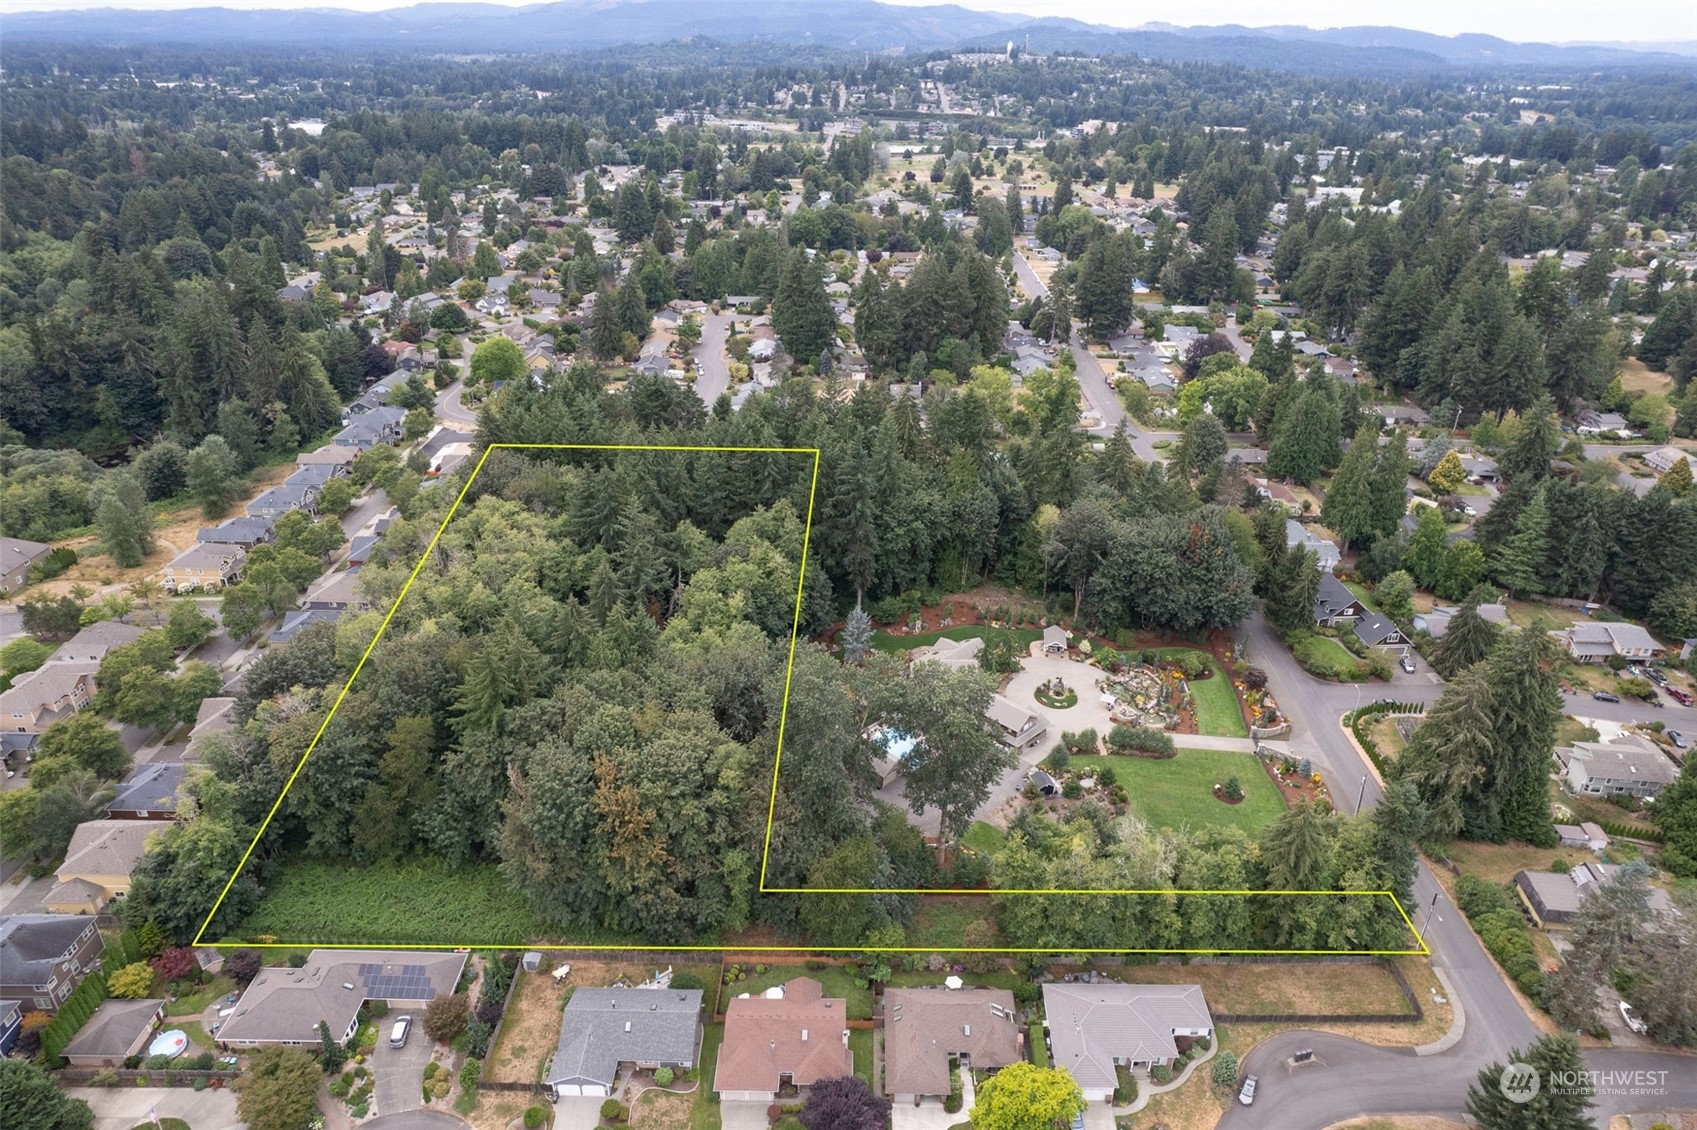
point(175, 964)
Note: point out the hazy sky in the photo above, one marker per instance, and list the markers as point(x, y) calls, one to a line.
point(1521, 20)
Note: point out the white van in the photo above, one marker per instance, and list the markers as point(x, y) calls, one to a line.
point(398, 1034)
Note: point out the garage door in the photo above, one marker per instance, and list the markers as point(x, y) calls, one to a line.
point(567, 1090)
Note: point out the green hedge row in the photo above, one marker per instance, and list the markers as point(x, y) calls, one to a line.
point(1632, 831)
point(73, 1014)
point(1497, 918)
point(1358, 726)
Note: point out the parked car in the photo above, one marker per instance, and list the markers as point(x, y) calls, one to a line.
point(1247, 1094)
point(1683, 697)
point(1633, 1020)
point(1679, 740)
point(1408, 664)
point(1605, 696)
point(398, 1034)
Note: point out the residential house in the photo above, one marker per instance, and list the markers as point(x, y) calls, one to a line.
point(1055, 640)
point(284, 1005)
point(43, 957)
point(293, 293)
point(1553, 898)
point(314, 475)
point(379, 425)
point(956, 655)
point(336, 455)
point(1376, 630)
point(16, 557)
point(11, 1025)
point(360, 547)
point(1156, 378)
point(336, 593)
point(1017, 727)
point(1094, 1027)
point(543, 299)
point(98, 864)
point(1627, 765)
point(1584, 834)
point(245, 532)
point(117, 1030)
point(925, 1028)
point(294, 621)
point(1662, 459)
point(151, 791)
point(377, 302)
point(1028, 359)
point(1480, 468)
point(281, 499)
point(1594, 423)
point(792, 1035)
point(1328, 553)
point(1335, 605)
point(1597, 642)
point(897, 747)
point(602, 1029)
point(91, 644)
point(213, 717)
point(763, 349)
point(50, 693)
point(1042, 782)
point(207, 565)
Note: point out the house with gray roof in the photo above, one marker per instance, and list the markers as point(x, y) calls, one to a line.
point(16, 557)
point(43, 957)
point(1094, 1027)
point(1627, 765)
point(602, 1029)
point(1594, 642)
point(284, 1005)
point(151, 791)
point(1553, 898)
point(91, 644)
point(1335, 605)
point(300, 618)
point(281, 499)
point(245, 532)
point(1296, 534)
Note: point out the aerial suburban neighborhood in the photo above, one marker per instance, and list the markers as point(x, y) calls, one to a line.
point(847, 566)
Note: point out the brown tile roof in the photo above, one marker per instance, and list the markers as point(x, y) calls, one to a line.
point(803, 1034)
point(924, 1027)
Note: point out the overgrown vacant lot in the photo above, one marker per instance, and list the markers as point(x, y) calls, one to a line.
point(1177, 792)
point(1274, 988)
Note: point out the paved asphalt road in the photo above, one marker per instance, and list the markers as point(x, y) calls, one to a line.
point(449, 409)
point(1353, 1078)
point(714, 376)
point(1092, 381)
point(416, 1120)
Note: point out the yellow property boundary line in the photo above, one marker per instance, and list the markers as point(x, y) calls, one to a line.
point(772, 800)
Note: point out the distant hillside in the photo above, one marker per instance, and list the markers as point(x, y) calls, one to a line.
point(861, 25)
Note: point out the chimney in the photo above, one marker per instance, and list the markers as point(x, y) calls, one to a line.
point(804, 1035)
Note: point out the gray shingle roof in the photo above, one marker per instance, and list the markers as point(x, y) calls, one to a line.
point(287, 1004)
point(602, 1028)
point(30, 944)
point(1092, 1025)
point(151, 788)
point(114, 1028)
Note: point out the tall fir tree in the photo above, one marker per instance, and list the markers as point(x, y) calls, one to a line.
point(801, 311)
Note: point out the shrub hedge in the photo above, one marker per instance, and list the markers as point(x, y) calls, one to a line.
point(1498, 921)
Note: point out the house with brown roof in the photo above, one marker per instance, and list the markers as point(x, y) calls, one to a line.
point(117, 1030)
point(50, 693)
point(790, 1035)
point(204, 565)
point(92, 643)
point(98, 864)
point(925, 1028)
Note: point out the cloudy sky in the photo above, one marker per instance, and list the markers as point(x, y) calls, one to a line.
point(1542, 20)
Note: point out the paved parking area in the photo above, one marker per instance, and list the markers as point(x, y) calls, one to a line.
point(577, 1112)
point(1098, 1116)
point(928, 1115)
point(400, 1071)
point(120, 1108)
point(743, 1115)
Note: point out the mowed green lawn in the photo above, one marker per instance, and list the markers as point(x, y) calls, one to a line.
point(1178, 791)
point(1218, 714)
